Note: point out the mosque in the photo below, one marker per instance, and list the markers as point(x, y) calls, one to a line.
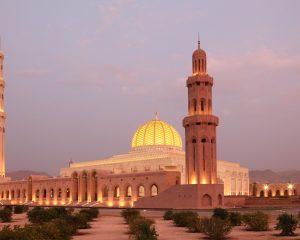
point(155, 173)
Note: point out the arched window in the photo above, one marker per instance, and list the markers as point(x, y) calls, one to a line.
point(203, 140)
point(286, 192)
point(18, 193)
point(59, 193)
point(194, 141)
point(24, 193)
point(154, 190)
point(12, 194)
point(105, 192)
point(68, 193)
point(51, 193)
point(277, 193)
point(270, 193)
point(141, 191)
point(206, 201)
point(7, 194)
point(195, 105)
point(129, 191)
point(202, 104)
point(44, 193)
point(37, 194)
point(117, 192)
point(262, 193)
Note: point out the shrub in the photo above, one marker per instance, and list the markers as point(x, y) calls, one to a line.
point(90, 213)
point(235, 218)
point(130, 214)
point(183, 219)
point(20, 209)
point(143, 229)
point(195, 225)
point(168, 215)
point(6, 215)
point(216, 228)
point(10, 207)
point(220, 213)
point(257, 221)
point(41, 215)
point(287, 224)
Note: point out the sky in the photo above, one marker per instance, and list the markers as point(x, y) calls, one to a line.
point(81, 76)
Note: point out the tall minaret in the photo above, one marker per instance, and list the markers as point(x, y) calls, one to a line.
point(2, 119)
point(200, 125)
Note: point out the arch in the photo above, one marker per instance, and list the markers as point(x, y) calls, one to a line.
point(24, 193)
point(12, 194)
point(59, 193)
point(7, 194)
point(206, 200)
point(277, 193)
point(270, 194)
point(44, 193)
point(154, 190)
point(128, 191)
point(105, 192)
point(286, 192)
point(68, 193)
point(74, 186)
point(37, 194)
point(117, 192)
point(51, 193)
point(295, 192)
point(202, 104)
point(220, 200)
point(262, 193)
point(141, 191)
point(195, 105)
point(95, 185)
point(84, 186)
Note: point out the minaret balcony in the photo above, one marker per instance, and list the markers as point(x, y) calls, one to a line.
point(199, 78)
point(200, 120)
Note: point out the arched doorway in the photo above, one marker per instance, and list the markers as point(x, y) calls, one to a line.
point(270, 193)
point(220, 200)
point(262, 193)
point(206, 201)
point(277, 193)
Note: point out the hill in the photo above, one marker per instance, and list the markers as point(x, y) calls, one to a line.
point(19, 175)
point(269, 176)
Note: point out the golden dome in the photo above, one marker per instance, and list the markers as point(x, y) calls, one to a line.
point(156, 133)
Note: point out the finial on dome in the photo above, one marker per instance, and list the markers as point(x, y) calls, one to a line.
point(156, 116)
point(198, 41)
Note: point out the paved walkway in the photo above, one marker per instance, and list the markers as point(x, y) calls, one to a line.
point(106, 228)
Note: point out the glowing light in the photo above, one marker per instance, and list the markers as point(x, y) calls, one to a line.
point(203, 181)
point(156, 132)
point(194, 181)
point(266, 186)
point(110, 204)
point(290, 186)
point(121, 203)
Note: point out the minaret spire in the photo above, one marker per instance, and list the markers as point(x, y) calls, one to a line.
point(198, 41)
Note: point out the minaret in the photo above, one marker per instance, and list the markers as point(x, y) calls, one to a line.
point(200, 125)
point(2, 119)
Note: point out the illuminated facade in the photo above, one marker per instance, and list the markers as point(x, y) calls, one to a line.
point(155, 173)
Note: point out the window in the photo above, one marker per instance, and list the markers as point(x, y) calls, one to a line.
point(129, 191)
point(68, 193)
point(195, 105)
point(52, 193)
point(154, 190)
point(18, 193)
point(59, 193)
point(141, 191)
point(37, 194)
point(117, 192)
point(202, 104)
point(194, 153)
point(44, 193)
point(24, 193)
point(203, 152)
point(12, 194)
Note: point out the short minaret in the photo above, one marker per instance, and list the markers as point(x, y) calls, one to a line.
point(2, 119)
point(200, 125)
